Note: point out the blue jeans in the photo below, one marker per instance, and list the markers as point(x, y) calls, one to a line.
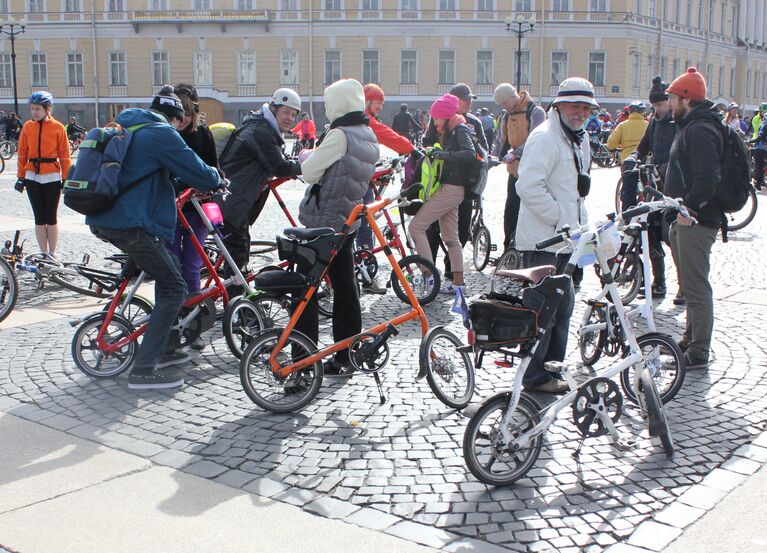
point(365, 233)
point(553, 344)
point(152, 255)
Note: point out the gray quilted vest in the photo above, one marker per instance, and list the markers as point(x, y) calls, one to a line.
point(329, 202)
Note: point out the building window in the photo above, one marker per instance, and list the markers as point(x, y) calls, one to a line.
point(663, 67)
point(289, 67)
point(288, 5)
point(639, 7)
point(370, 5)
point(203, 68)
point(756, 84)
point(484, 67)
point(333, 5)
point(36, 6)
point(447, 5)
point(39, 73)
point(201, 5)
point(370, 66)
point(721, 80)
point(409, 5)
point(160, 68)
point(332, 66)
point(637, 70)
point(72, 6)
point(700, 14)
point(651, 8)
point(678, 11)
point(245, 5)
point(675, 70)
point(6, 78)
point(732, 82)
point(246, 67)
point(560, 5)
point(408, 67)
point(723, 19)
point(158, 5)
point(748, 83)
point(523, 5)
point(689, 13)
point(485, 6)
point(74, 69)
point(597, 68)
point(558, 67)
point(446, 67)
point(598, 5)
point(522, 61)
point(117, 69)
point(116, 5)
point(3, 6)
point(735, 16)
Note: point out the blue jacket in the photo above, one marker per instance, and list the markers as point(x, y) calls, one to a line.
point(156, 151)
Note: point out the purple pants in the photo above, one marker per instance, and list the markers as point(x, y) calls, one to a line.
point(184, 249)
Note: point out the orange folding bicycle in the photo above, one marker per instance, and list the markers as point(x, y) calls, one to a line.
point(281, 369)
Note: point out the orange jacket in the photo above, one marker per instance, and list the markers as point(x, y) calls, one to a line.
point(310, 131)
point(389, 138)
point(43, 140)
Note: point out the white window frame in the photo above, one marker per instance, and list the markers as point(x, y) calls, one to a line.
point(415, 61)
point(68, 63)
point(111, 62)
point(447, 79)
point(6, 75)
point(157, 5)
point(201, 8)
point(526, 76)
point(39, 82)
point(238, 5)
point(604, 68)
point(108, 6)
point(325, 7)
point(371, 8)
point(489, 72)
point(524, 6)
point(605, 3)
point(376, 77)
point(283, 60)
point(201, 76)
point(241, 75)
point(79, 6)
point(403, 9)
point(733, 76)
point(329, 78)
point(39, 4)
point(561, 6)
point(551, 65)
point(153, 62)
point(485, 9)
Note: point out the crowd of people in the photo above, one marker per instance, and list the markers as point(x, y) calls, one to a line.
point(544, 151)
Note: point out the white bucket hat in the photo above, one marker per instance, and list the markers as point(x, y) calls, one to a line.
point(576, 89)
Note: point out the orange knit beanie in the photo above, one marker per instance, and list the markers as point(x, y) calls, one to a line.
point(689, 85)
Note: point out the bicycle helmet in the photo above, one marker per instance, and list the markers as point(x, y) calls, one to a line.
point(763, 106)
point(286, 97)
point(637, 107)
point(167, 103)
point(732, 105)
point(41, 98)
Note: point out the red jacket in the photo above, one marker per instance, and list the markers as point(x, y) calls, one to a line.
point(305, 128)
point(389, 138)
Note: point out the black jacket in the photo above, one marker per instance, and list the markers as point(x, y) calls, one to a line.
point(458, 154)
point(403, 122)
point(695, 163)
point(201, 142)
point(657, 141)
point(254, 154)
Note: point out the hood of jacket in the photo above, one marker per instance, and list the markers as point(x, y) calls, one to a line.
point(342, 97)
point(138, 116)
point(705, 111)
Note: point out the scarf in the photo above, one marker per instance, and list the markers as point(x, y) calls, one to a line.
point(350, 119)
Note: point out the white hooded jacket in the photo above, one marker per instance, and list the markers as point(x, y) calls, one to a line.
point(548, 185)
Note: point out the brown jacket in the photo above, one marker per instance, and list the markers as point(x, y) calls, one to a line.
point(516, 129)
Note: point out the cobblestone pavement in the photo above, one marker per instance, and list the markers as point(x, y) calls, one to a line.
point(399, 467)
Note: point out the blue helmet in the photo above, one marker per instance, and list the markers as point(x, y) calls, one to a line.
point(42, 98)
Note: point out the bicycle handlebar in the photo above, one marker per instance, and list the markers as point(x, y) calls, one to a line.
point(556, 239)
point(635, 212)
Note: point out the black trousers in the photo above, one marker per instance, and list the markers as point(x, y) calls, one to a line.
point(237, 237)
point(510, 212)
point(464, 231)
point(347, 314)
point(760, 162)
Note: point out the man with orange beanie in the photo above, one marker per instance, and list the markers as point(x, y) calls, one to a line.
point(694, 173)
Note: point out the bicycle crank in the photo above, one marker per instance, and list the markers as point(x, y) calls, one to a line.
point(597, 407)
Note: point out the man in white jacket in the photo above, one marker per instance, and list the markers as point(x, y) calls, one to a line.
point(553, 183)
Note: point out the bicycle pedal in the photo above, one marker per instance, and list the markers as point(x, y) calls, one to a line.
point(493, 247)
point(625, 445)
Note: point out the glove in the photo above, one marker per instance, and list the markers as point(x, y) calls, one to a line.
point(508, 158)
point(629, 163)
point(436, 153)
point(19, 186)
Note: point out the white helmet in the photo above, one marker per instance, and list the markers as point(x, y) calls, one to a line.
point(287, 97)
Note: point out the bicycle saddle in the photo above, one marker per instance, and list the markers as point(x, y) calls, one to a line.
point(284, 281)
point(307, 234)
point(532, 275)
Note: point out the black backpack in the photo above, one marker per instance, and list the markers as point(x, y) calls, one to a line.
point(476, 171)
point(732, 193)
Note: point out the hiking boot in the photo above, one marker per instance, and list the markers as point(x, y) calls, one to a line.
point(680, 300)
point(374, 287)
point(334, 368)
point(693, 362)
point(551, 386)
point(173, 358)
point(154, 379)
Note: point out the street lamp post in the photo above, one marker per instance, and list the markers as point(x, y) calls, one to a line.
point(11, 27)
point(520, 22)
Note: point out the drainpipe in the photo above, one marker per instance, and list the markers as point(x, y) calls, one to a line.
point(542, 40)
point(95, 62)
point(311, 59)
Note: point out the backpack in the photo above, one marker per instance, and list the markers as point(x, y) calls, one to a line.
point(92, 186)
point(733, 192)
point(221, 133)
point(431, 172)
point(412, 169)
point(476, 172)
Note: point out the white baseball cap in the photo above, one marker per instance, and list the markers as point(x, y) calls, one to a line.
point(576, 89)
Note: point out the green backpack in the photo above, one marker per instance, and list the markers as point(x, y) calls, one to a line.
point(431, 172)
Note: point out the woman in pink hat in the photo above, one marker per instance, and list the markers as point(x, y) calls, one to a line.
point(457, 154)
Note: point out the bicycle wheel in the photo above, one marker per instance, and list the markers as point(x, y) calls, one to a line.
point(510, 260)
point(9, 289)
point(665, 363)
point(481, 248)
point(591, 344)
point(741, 219)
point(416, 269)
point(274, 393)
point(657, 423)
point(261, 247)
point(488, 459)
point(618, 202)
point(274, 311)
point(450, 373)
point(69, 278)
point(90, 359)
point(324, 295)
point(242, 322)
point(138, 308)
point(628, 277)
point(6, 149)
point(2, 165)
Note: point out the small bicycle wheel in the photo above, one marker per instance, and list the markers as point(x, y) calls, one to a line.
point(510, 260)
point(242, 322)
point(91, 359)
point(657, 423)
point(489, 459)
point(274, 311)
point(9, 289)
point(6, 149)
point(481, 248)
point(663, 360)
point(741, 219)
point(69, 278)
point(365, 259)
point(324, 295)
point(628, 277)
point(618, 187)
point(591, 343)
point(135, 312)
point(261, 247)
point(272, 392)
point(2, 165)
point(417, 271)
point(450, 373)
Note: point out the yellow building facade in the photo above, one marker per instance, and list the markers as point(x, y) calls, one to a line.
point(101, 56)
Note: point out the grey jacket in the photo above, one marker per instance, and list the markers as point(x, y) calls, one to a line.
point(329, 202)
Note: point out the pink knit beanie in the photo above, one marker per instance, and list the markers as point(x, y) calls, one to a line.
point(444, 107)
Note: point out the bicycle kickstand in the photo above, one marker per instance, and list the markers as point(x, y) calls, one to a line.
point(381, 395)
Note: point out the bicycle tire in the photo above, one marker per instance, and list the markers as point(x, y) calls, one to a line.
point(85, 339)
point(6, 150)
point(526, 417)
point(76, 282)
point(325, 300)
point(276, 312)
point(415, 269)
point(260, 247)
point(594, 338)
point(511, 260)
point(2, 165)
point(9, 289)
point(137, 308)
point(299, 389)
point(747, 213)
point(241, 324)
point(668, 372)
point(629, 276)
point(657, 423)
point(481, 248)
point(618, 190)
point(441, 368)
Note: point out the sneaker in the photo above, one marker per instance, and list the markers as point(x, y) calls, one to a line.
point(374, 287)
point(551, 386)
point(693, 362)
point(683, 345)
point(659, 290)
point(198, 344)
point(450, 288)
point(680, 300)
point(173, 358)
point(154, 379)
point(335, 368)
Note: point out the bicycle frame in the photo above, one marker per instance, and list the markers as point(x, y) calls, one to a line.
point(396, 241)
point(416, 311)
